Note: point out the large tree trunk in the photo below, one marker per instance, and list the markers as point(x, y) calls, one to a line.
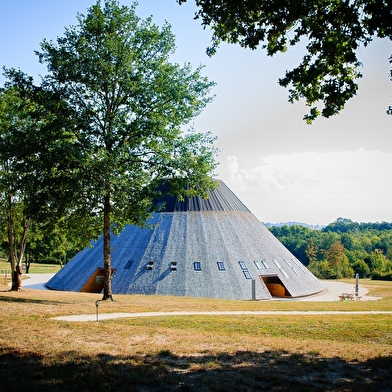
point(107, 289)
point(17, 278)
point(16, 260)
point(16, 282)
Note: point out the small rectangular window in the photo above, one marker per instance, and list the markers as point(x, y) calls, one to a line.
point(276, 263)
point(243, 265)
point(294, 271)
point(247, 274)
point(283, 272)
point(221, 266)
point(291, 266)
point(294, 261)
point(258, 264)
point(299, 265)
point(288, 263)
point(197, 266)
point(129, 264)
point(265, 264)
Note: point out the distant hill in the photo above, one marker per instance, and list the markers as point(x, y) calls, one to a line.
point(280, 224)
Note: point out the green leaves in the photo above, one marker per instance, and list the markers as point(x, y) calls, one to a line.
point(37, 147)
point(105, 128)
point(129, 106)
point(333, 30)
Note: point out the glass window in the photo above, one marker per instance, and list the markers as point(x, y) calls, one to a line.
point(283, 272)
point(129, 264)
point(243, 265)
point(197, 266)
point(294, 271)
point(299, 265)
point(265, 263)
point(221, 266)
point(258, 264)
point(276, 263)
point(247, 274)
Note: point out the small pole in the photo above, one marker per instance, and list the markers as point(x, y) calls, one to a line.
point(96, 305)
point(356, 283)
point(253, 290)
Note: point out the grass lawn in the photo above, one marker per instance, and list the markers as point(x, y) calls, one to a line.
point(193, 353)
point(35, 268)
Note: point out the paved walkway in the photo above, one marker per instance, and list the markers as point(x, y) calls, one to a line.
point(108, 316)
point(36, 281)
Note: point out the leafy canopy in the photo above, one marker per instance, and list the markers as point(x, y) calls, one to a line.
point(36, 147)
point(129, 108)
point(333, 30)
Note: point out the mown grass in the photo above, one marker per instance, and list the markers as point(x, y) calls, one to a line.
point(192, 353)
point(35, 268)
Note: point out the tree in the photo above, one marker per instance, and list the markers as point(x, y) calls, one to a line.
point(379, 264)
point(359, 265)
point(321, 269)
point(333, 30)
point(33, 162)
point(53, 244)
point(130, 105)
point(311, 251)
point(13, 117)
point(335, 256)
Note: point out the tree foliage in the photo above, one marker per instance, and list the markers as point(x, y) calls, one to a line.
point(342, 248)
point(33, 167)
point(128, 106)
point(332, 30)
point(13, 117)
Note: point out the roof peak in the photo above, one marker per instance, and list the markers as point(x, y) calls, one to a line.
point(219, 199)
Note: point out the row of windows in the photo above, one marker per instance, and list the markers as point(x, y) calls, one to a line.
point(260, 264)
point(245, 270)
point(150, 265)
point(220, 264)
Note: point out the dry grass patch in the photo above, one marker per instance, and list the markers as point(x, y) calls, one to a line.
point(192, 353)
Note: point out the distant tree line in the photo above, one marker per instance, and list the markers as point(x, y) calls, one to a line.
point(341, 249)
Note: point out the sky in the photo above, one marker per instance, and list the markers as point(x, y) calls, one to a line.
point(282, 169)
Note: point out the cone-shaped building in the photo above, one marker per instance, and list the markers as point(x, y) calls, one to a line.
point(200, 248)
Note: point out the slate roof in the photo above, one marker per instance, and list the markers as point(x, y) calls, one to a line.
point(232, 246)
point(220, 199)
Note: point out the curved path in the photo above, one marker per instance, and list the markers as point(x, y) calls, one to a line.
point(108, 316)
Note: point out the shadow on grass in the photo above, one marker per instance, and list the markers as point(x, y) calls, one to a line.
point(29, 300)
point(242, 371)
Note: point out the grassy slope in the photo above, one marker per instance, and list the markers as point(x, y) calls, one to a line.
point(192, 353)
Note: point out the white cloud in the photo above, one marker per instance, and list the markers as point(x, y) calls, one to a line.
point(353, 184)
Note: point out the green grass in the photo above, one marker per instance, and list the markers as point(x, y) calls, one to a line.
point(192, 353)
point(35, 268)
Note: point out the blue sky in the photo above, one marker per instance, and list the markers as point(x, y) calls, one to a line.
point(280, 167)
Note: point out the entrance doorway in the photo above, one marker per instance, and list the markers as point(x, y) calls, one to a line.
point(96, 282)
point(275, 286)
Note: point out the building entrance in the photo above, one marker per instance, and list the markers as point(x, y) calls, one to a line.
point(275, 286)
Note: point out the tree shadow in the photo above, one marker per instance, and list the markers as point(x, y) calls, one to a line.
point(31, 301)
point(164, 371)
